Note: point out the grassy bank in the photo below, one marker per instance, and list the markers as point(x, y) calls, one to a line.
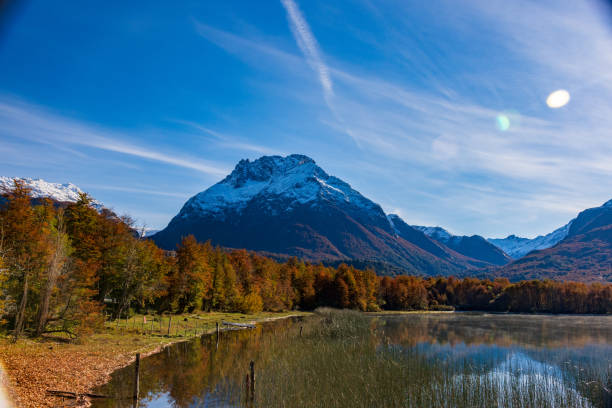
point(36, 365)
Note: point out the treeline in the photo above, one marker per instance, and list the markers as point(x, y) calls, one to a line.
point(62, 268)
point(499, 295)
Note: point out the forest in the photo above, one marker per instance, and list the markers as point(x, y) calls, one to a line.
point(66, 268)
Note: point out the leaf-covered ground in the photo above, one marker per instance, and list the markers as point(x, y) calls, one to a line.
point(35, 366)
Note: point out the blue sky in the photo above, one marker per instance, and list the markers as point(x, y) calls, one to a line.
point(143, 104)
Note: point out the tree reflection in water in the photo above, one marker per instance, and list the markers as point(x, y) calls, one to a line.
point(420, 360)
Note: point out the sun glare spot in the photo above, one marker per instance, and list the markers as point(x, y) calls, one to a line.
point(503, 122)
point(558, 99)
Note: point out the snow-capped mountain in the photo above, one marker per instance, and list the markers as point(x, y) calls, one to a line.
point(289, 206)
point(518, 247)
point(584, 252)
point(296, 178)
point(63, 193)
point(473, 246)
point(431, 244)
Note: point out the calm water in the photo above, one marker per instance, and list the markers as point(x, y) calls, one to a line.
point(456, 359)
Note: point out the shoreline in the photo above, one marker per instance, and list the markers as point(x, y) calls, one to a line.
point(31, 367)
point(488, 312)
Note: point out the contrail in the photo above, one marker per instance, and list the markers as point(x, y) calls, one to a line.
point(309, 46)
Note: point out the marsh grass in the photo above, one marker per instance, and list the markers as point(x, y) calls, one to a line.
point(339, 358)
point(344, 359)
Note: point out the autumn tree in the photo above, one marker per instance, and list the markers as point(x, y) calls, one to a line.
point(60, 250)
point(191, 278)
point(26, 249)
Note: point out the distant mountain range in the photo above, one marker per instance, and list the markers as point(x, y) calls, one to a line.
point(584, 254)
point(517, 247)
point(473, 246)
point(60, 193)
point(289, 206)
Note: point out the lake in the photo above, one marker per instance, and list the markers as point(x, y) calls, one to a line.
point(347, 359)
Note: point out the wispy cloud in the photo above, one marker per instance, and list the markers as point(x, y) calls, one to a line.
point(309, 46)
point(135, 190)
point(431, 139)
point(231, 142)
point(310, 49)
point(26, 121)
point(420, 101)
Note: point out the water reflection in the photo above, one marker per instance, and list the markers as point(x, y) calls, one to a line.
point(520, 369)
point(504, 355)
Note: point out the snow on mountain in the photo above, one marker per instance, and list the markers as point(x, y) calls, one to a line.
point(473, 246)
point(295, 178)
point(437, 233)
point(518, 247)
point(66, 193)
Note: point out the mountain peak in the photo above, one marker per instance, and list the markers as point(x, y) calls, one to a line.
point(280, 183)
point(265, 167)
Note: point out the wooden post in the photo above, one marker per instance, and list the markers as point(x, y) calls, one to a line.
point(301, 327)
point(169, 324)
point(252, 381)
point(137, 377)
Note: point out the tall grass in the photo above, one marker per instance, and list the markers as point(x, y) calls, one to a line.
point(344, 359)
point(341, 358)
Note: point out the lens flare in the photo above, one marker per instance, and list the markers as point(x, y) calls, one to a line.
point(503, 122)
point(558, 99)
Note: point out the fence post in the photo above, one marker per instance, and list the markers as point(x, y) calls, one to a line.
point(169, 324)
point(137, 377)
